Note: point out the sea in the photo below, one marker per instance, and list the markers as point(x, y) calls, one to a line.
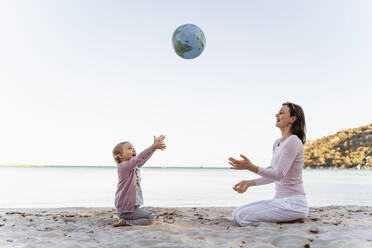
point(95, 186)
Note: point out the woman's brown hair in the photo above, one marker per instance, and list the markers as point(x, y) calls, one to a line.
point(298, 127)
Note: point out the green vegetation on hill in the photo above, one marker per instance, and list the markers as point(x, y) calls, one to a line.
point(347, 149)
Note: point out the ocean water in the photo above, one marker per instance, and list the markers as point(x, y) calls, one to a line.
point(64, 186)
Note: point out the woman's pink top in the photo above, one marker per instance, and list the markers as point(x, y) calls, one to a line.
point(125, 197)
point(286, 168)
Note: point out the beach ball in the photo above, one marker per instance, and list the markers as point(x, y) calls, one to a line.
point(188, 41)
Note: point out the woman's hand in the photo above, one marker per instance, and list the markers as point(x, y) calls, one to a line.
point(159, 143)
point(242, 186)
point(244, 164)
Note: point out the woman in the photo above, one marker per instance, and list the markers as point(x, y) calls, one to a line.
point(290, 202)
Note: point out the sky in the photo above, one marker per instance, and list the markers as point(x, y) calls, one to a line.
point(77, 77)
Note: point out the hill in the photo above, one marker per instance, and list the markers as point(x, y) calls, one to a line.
point(347, 149)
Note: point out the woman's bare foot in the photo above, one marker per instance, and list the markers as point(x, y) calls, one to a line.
point(294, 221)
point(301, 221)
point(121, 222)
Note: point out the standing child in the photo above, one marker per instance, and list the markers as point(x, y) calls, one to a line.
point(128, 197)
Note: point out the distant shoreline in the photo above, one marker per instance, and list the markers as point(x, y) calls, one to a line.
point(154, 167)
point(21, 165)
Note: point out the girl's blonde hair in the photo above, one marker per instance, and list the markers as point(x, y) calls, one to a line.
point(118, 149)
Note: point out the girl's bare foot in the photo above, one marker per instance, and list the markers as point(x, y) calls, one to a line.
point(121, 222)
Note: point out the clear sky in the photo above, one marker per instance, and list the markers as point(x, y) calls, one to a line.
point(77, 77)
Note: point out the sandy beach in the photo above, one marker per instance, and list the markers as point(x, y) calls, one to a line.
point(332, 226)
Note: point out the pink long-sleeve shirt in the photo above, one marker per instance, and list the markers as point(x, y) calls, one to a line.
point(286, 168)
point(125, 197)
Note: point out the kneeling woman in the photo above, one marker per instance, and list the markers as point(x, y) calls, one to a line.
point(289, 203)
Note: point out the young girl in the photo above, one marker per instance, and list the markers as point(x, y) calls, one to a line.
point(128, 197)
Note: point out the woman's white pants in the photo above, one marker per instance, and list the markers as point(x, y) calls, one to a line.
point(275, 210)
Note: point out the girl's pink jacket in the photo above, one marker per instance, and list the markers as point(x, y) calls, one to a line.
point(125, 197)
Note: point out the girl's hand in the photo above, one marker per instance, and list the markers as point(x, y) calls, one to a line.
point(244, 164)
point(242, 186)
point(159, 143)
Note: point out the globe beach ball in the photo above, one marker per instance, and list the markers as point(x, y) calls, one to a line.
point(188, 41)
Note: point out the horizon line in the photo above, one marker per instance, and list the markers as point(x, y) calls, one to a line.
point(108, 166)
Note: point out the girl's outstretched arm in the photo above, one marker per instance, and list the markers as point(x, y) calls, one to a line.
point(138, 160)
point(141, 159)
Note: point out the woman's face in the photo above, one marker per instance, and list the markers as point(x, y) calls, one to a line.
point(284, 118)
